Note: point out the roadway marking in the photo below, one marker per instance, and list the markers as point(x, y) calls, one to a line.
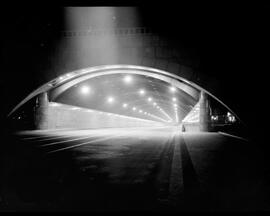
point(176, 186)
point(55, 136)
point(73, 135)
point(81, 138)
point(230, 135)
point(164, 166)
point(85, 143)
point(65, 141)
point(44, 134)
point(51, 137)
point(193, 191)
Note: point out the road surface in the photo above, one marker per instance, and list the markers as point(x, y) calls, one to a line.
point(156, 169)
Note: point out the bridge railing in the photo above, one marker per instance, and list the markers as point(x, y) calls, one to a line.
point(108, 31)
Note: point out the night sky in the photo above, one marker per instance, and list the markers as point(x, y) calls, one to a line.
point(230, 41)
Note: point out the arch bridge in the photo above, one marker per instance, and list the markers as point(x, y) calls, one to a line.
point(121, 96)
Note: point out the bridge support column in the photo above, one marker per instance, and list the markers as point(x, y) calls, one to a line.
point(204, 112)
point(41, 111)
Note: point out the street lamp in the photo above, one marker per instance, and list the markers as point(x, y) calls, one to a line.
point(172, 89)
point(128, 79)
point(85, 90)
point(141, 92)
point(110, 99)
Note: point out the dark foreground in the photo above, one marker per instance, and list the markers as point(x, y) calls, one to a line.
point(157, 169)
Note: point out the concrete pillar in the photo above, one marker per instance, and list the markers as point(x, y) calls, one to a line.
point(41, 111)
point(204, 112)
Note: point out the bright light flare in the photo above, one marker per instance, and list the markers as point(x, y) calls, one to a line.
point(142, 92)
point(125, 105)
point(149, 99)
point(110, 99)
point(128, 79)
point(172, 89)
point(174, 99)
point(85, 90)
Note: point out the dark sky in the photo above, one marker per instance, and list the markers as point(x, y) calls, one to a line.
point(231, 41)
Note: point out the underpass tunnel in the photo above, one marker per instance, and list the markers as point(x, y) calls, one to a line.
point(116, 86)
point(128, 115)
point(122, 96)
point(116, 111)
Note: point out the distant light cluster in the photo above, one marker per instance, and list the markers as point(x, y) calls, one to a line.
point(128, 80)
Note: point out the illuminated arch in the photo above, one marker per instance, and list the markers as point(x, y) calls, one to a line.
point(62, 83)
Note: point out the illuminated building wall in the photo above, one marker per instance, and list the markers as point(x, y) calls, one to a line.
point(71, 117)
point(191, 122)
